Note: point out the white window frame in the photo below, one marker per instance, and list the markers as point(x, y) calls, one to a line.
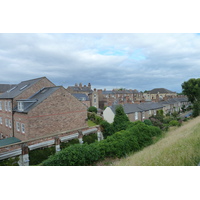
point(22, 128)
point(10, 124)
point(136, 115)
point(20, 106)
point(6, 122)
point(5, 105)
point(143, 115)
point(149, 112)
point(9, 106)
point(18, 126)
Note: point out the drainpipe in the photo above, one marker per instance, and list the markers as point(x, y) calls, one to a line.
point(12, 117)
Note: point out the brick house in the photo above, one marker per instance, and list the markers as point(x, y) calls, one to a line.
point(50, 110)
point(8, 101)
point(80, 89)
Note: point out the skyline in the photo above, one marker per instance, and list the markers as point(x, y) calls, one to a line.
point(139, 61)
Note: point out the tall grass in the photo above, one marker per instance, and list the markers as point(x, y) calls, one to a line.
point(180, 147)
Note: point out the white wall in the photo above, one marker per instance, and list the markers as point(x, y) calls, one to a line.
point(108, 115)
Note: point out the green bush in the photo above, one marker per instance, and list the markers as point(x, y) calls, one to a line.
point(174, 123)
point(92, 109)
point(137, 136)
point(10, 161)
point(106, 128)
point(90, 138)
point(148, 122)
point(68, 143)
point(38, 155)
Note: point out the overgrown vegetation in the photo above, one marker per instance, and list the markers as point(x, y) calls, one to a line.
point(135, 137)
point(92, 109)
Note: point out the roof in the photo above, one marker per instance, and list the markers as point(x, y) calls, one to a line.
point(160, 90)
point(8, 141)
point(18, 89)
point(5, 87)
point(105, 92)
point(80, 89)
point(131, 108)
point(37, 98)
point(81, 96)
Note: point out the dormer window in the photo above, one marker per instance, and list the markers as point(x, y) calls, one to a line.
point(20, 106)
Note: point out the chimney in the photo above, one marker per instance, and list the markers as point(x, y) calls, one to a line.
point(95, 89)
point(89, 85)
point(80, 85)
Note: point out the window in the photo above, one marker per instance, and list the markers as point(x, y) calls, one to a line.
point(94, 100)
point(23, 87)
point(0, 105)
point(10, 124)
point(11, 89)
point(1, 122)
point(6, 122)
point(5, 105)
point(143, 115)
point(20, 106)
point(154, 112)
point(136, 115)
point(18, 126)
point(95, 95)
point(149, 112)
point(9, 106)
point(22, 128)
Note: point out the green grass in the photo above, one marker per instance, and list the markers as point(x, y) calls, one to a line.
point(179, 147)
point(91, 123)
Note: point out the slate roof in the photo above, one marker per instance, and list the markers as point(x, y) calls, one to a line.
point(119, 92)
point(5, 87)
point(79, 89)
point(160, 90)
point(37, 98)
point(8, 141)
point(131, 108)
point(18, 89)
point(81, 96)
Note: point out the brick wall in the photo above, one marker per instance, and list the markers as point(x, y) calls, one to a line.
point(59, 112)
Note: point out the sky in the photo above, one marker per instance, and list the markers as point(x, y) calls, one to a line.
point(139, 61)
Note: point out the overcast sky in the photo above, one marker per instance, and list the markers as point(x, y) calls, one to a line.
point(132, 61)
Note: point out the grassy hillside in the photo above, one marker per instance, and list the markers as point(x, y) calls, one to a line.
point(180, 147)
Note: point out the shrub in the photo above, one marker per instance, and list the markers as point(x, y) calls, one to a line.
point(90, 138)
point(92, 109)
point(98, 120)
point(148, 122)
point(120, 119)
point(106, 128)
point(68, 143)
point(137, 136)
point(173, 123)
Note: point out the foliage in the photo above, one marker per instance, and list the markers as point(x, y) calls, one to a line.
point(175, 114)
point(90, 138)
point(10, 161)
point(120, 119)
point(137, 136)
point(68, 143)
point(191, 88)
point(106, 128)
point(91, 123)
point(92, 109)
point(148, 122)
point(183, 108)
point(38, 155)
point(173, 123)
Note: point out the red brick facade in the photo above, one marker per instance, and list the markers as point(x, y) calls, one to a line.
point(59, 112)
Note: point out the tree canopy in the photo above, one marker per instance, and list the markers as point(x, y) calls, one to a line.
point(92, 109)
point(191, 88)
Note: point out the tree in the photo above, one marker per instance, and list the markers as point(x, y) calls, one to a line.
point(191, 88)
point(120, 119)
point(92, 109)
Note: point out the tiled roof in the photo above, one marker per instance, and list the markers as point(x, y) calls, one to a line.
point(5, 87)
point(81, 96)
point(18, 89)
point(37, 98)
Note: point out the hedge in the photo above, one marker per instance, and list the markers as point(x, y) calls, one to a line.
point(134, 138)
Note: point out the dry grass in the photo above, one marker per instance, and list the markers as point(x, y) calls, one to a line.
point(180, 147)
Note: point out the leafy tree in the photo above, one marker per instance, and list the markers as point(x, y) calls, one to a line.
point(120, 119)
point(191, 88)
point(92, 109)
